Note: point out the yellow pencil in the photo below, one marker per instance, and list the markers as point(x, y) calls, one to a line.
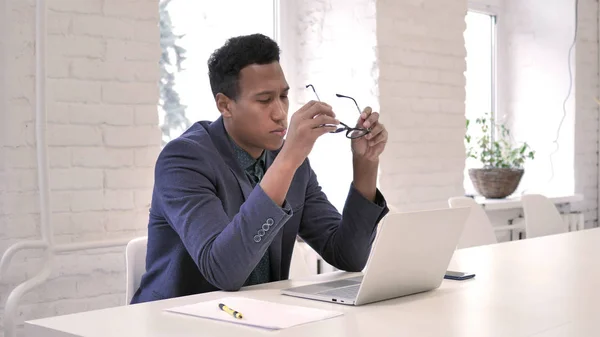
point(230, 311)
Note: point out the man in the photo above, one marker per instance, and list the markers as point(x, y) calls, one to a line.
point(230, 196)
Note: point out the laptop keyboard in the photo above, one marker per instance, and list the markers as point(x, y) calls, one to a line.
point(346, 292)
point(342, 283)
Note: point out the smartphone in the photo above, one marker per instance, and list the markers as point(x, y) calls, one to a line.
point(457, 275)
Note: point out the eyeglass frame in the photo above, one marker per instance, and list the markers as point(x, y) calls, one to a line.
point(345, 127)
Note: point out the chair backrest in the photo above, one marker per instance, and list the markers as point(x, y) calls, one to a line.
point(478, 230)
point(541, 216)
point(135, 260)
point(299, 266)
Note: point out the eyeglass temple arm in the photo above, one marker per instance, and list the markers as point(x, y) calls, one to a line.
point(313, 89)
point(339, 95)
point(353, 100)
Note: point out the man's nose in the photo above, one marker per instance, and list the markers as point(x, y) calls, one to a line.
point(279, 111)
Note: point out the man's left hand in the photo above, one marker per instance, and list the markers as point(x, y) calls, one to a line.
point(370, 146)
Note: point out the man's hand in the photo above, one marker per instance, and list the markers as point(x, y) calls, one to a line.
point(313, 120)
point(365, 153)
point(306, 125)
point(369, 147)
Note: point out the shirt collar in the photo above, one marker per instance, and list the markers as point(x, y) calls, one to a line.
point(244, 159)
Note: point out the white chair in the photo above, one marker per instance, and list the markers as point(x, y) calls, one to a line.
point(541, 216)
point(478, 230)
point(135, 261)
point(299, 266)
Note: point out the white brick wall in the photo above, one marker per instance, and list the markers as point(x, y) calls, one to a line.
point(103, 137)
point(406, 60)
point(422, 89)
point(334, 49)
point(414, 79)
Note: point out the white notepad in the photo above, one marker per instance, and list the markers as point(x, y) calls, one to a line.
point(257, 313)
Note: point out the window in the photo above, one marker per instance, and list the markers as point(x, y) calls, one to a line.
point(480, 44)
point(198, 28)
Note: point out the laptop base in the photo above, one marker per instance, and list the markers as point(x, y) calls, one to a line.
point(342, 291)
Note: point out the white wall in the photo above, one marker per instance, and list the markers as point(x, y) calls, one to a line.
point(103, 74)
point(481, 4)
point(334, 49)
point(586, 118)
point(103, 136)
point(422, 90)
point(534, 38)
point(415, 52)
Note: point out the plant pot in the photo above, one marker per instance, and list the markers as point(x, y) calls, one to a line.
point(496, 183)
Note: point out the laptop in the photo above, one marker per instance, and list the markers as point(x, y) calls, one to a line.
point(410, 255)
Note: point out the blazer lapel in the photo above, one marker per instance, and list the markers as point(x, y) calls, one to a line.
point(218, 134)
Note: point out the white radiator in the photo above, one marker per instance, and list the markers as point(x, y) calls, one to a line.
point(574, 221)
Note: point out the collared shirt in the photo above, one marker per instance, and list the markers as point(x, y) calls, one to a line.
point(255, 170)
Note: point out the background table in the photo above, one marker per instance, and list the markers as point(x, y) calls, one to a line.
point(543, 287)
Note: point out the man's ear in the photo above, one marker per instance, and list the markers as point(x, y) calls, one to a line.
point(224, 105)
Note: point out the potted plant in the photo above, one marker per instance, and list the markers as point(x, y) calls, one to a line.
point(502, 163)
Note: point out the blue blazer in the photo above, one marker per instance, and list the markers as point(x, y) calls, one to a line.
point(208, 227)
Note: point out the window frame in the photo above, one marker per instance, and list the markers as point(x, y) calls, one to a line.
point(493, 10)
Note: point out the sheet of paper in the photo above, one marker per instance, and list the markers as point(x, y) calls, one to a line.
point(257, 313)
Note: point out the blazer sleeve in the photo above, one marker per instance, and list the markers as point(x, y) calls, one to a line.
point(225, 250)
point(343, 240)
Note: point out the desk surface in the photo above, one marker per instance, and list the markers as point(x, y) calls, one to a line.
point(543, 287)
point(515, 201)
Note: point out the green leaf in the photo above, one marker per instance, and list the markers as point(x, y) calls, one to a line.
point(498, 153)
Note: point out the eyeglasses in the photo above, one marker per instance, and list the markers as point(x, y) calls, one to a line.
point(351, 133)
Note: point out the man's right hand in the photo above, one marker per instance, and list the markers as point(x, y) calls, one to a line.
point(306, 125)
point(313, 120)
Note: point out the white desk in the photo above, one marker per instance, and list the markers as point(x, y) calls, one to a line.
point(543, 287)
point(515, 201)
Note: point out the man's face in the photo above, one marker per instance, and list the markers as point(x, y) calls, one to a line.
point(258, 117)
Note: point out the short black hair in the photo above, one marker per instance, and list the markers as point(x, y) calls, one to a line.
point(225, 63)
